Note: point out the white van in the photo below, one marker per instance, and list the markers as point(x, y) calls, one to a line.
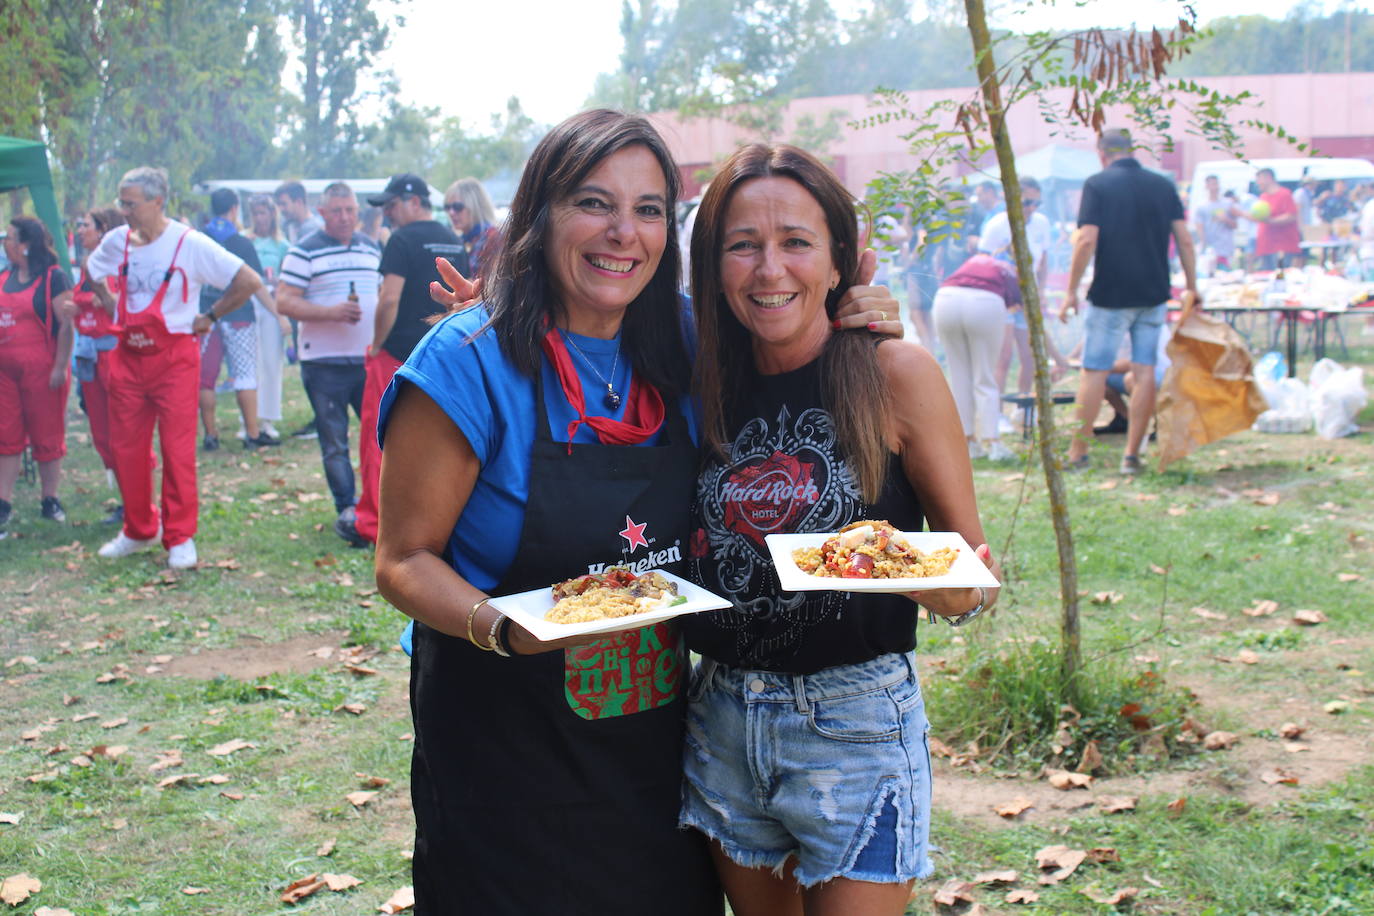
point(1239, 174)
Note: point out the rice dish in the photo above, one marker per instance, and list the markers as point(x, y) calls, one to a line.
point(872, 550)
point(617, 592)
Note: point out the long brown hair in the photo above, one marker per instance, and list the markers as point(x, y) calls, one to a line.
point(852, 384)
point(519, 291)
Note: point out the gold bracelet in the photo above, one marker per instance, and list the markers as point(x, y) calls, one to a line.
point(471, 614)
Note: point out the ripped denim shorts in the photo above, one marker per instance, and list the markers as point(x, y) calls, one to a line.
point(832, 768)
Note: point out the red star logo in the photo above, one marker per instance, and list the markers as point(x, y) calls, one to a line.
point(634, 534)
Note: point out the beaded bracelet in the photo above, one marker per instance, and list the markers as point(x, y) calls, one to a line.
point(493, 638)
point(471, 614)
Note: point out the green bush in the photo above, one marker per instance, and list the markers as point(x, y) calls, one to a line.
point(1009, 701)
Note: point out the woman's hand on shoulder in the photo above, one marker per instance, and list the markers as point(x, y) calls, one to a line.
point(456, 290)
point(872, 307)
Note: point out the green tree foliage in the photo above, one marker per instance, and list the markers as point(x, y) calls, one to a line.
point(461, 151)
point(1304, 42)
point(339, 41)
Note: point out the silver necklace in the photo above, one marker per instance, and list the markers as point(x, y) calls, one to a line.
point(612, 396)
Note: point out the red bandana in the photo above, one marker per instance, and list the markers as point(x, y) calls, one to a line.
point(643, 411)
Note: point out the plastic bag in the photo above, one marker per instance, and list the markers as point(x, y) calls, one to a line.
point(1210, 390)
point(1290, 407)
point(1337, 396)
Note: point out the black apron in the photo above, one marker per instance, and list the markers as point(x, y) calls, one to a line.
point(550, 783)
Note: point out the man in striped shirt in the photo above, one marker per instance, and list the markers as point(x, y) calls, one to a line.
point(329, 282)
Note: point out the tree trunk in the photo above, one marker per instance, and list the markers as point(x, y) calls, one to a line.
point(1070, 652)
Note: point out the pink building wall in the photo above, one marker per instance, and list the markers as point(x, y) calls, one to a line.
point(1337, 108)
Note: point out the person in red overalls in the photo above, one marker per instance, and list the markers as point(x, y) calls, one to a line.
point(35, 347)
point(95, 338)
point(159, 266)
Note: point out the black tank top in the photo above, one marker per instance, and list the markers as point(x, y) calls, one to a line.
point(786, 473)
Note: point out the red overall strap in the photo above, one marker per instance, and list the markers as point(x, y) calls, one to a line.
point(123, 309)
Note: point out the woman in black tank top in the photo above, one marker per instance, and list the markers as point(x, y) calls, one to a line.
point(806, 757)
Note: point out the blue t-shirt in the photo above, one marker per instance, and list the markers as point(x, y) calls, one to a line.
point(492, 404)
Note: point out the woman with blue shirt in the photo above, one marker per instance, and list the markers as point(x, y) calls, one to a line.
point(530, 440)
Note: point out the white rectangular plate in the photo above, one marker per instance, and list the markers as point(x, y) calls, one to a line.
point(528, 610)
point(967, 572)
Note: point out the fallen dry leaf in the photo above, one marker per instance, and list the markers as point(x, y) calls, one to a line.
point(301, 888)
point(1092, 758)
point(1115, 804)
point(403, 899)
point(1268, 499)
point(372, 782)
point(1219, 741)
point(1064, 780)
point(1336, 707)
point(216, 779)
point(1248, 657)
point(1092, 892)
point(1294, 747)
point(1158, 570)
point(1101, 854)
point(10, 817)
point(176, 780)
point(340, 882)
point(15, 889)
point(1005, 876)
point(1177, 510)
point(1022, 895)
point(232, 796)
point(325, 848)
point(1278, 776)
point(1014, 807)
point(229, 747)
point(360, 799)
point(53, 911)
point(109, 751)
point(939, 748)
point(1262, 607)
point(356, 709)
point(1291, 730)
point(1107, 597)
point(192, 891)
point(1058, 862)
point(1107, 485)
point(1349, 577)
point(166, 760)
point(360, 670)
point(954, 892)
point(1308, 618)
point(1177, 805)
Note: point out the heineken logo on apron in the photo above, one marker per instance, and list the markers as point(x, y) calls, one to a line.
point(634, 671)
point(631, 672)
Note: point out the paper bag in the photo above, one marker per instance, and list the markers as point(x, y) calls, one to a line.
point(1209, 390)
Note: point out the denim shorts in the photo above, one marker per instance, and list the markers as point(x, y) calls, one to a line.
point(832, 768)
point(1104, 328)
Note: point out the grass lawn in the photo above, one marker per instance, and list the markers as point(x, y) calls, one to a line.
point(192, 742)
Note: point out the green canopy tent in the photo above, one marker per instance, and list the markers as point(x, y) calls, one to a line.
point(24, 164)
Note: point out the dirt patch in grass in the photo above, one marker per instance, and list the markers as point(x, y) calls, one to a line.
point(256, 659)
point(1334, 747)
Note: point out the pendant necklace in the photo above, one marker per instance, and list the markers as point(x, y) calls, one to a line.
point(612, 396)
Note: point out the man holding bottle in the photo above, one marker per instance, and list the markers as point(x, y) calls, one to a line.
point(329, 282)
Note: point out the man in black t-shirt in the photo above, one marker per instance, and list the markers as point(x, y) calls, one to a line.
point(1125, 220)
point(403, 304)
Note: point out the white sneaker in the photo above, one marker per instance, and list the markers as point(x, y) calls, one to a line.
point(265, 426)
point(999, 452)
point(975, 450)
point(122, 545)
point(183, 555)
point(1004, 425)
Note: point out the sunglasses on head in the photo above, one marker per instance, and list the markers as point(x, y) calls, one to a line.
point(456, 207)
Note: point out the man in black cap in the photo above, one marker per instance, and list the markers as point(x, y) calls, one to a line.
point(403, 304)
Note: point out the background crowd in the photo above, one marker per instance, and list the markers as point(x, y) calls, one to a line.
point(344, 293)
point(162, 316)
